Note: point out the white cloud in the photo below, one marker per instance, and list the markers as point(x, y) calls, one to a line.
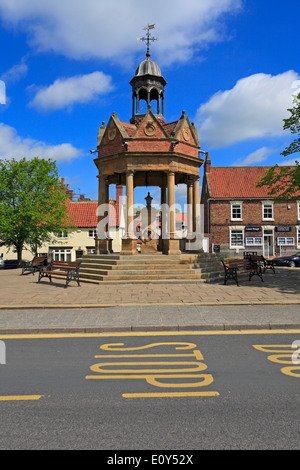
point(2, 92)
point(15, 73)
point(14, 146)
point(254, 108)
point(65, 92)
point(291, 162)
point(258, 156)
point(102, 29)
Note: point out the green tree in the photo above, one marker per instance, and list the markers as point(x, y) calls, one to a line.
point(284, 181)
point(32, 204)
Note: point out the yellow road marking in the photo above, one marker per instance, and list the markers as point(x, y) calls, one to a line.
point(147, 333)
point(196, 355)
point(285, 356)
point(112, 346)
point(170, 394)
point(20, 397)
point(145, 376)
point(196, 366)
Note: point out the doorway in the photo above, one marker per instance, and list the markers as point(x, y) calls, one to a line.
point(268, 243)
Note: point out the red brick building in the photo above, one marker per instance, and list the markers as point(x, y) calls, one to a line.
point(239, 216)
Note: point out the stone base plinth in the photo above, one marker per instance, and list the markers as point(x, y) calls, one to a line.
point(103, 246)
point(149, 246)
point(171, 247)
point(128, 247)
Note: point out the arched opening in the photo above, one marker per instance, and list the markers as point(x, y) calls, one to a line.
point(154, 96)
point(142, 101)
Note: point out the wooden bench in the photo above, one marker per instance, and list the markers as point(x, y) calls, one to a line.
point(34, 265)
point(68, 269)
point(263, 262)
point(233, 268)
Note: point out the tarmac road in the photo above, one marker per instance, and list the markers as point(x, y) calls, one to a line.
point(229, 392)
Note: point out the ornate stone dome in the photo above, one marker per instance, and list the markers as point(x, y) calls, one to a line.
point(147, 85)
point(148, 67)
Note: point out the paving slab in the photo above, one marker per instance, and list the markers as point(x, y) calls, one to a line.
point(29, 306)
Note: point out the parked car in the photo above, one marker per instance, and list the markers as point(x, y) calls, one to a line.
point(10, 263)
point(1, 262)
point(290, 260)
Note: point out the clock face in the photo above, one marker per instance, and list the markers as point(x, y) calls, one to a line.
point(186, 134)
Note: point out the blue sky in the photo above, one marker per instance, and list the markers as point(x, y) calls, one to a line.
point(232, 65)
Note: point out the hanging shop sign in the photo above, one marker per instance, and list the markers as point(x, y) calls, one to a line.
point(283, 229)
point(252, 229)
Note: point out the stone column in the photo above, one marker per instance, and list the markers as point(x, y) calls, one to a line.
point(129, 242)
point(190, 214)
point(196, 205)
point(103, 242)
point(190, 204)
point(163, 222)
point(197, 241)
point(133, 104)
point(171, 203)
point(172, 244)
point(158, 104)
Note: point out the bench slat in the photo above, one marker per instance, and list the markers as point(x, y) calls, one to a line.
point(34, 265)
point(234, 267)
point(57, 268)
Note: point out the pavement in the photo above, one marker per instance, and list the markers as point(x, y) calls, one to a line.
point(27, 306)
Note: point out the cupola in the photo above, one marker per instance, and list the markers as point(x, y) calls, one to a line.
point(148, 84)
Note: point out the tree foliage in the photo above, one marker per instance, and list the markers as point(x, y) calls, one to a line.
point(32, 204)
point(293, 123)
point(284, 181)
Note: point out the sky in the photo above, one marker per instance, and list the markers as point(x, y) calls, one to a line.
point(232, 65)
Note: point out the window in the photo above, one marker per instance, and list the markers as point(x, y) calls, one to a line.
point(298, 237)
point(236, 238)
point(92, 233)
point(236, 211)
point(285, 241)
point(254, 241)
point(61, 254)
point(61, 234)
point(268, 213)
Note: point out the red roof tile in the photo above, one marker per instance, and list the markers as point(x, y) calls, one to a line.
point(237, 182)
point(129, 128)
point(84, 214)
point(170, 127)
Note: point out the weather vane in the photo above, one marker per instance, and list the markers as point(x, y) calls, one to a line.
point(148, 39)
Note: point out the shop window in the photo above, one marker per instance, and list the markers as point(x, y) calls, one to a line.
point(285, 241)
point(236, 238)
point(254, 241)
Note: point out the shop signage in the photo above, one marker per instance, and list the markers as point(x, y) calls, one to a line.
point(283, 229)
point(252, 229)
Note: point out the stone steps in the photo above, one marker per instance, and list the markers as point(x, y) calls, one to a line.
point(150, 268)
